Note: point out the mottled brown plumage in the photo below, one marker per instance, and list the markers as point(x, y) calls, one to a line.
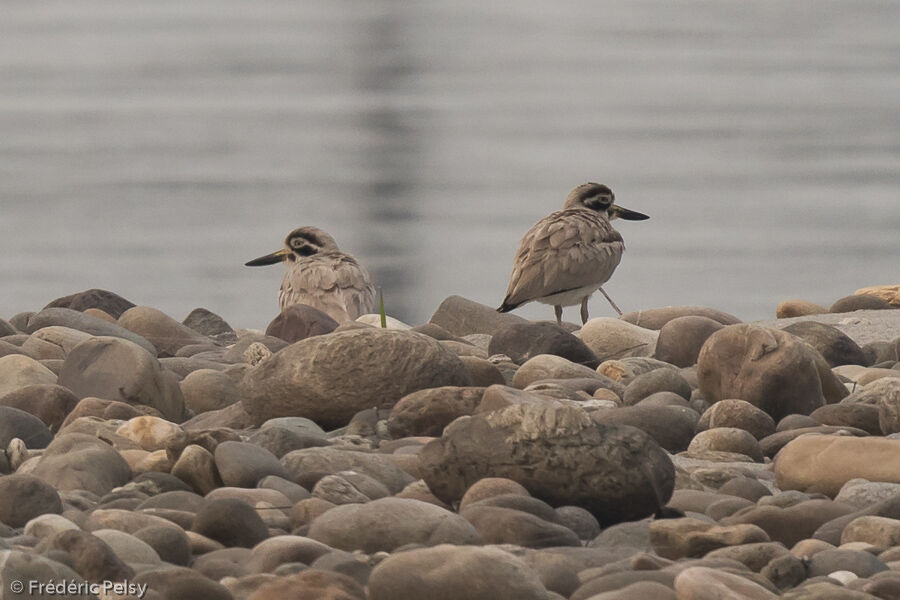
point(568, 255)
point(320, 275)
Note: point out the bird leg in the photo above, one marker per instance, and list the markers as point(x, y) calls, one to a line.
point(584, 313)
point(610, 301)
point(558, 309)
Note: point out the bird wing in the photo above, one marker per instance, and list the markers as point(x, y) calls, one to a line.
point(567, 250)
point(333, 283)
point(355, 285)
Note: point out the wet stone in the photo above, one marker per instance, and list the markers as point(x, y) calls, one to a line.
point(658, 380)
point(699, 583)
point(150, 433)
point(859, 302)
point(337, 490)
point(170, 544)
point(24, 497)
point(311, 584)
point(798, 308)
point(656, 318)
point(85, 322)
point(210, 324)
point(281, 440)
point(579, 520)
point(825, 463)
point(696, 501)
point(727, 439)
point(521, 341)
point(768, 368)
point(208, 389)
point(671, 426)
point(862, 493)
point(232, 417)
point(109, 302)
point(77, 461)
point(792, 524)
point(427, 412)
point(237, 352)
point(549, 366)
point(179, 583)
point(688, 537)
point(18, 371)
point(500, 525)
point(91, 557)
point(161, 330)
point(15, 423)
point(615, 339)
point(312, 377)
point(243, 465)
point(300, 321)
point(681, 339)
point(53, 342)
point(727, 507)
point(490, 487)
point(745, 487)
point(309, 465)
point(880, 532)
point(835, 346)
point(460, 316)
point(754, 556)
point(128, 548)
point(473, 573)
point(859, 416)
point(196, 467)
point(610, 583)
point(862, 564)
point(530, 444)
point(888, 293)
point(389, 523)
point(740, 414)
point(231, 522)
point(116, 369)
point(6, 328)
point(48, 402)
point(484, 372)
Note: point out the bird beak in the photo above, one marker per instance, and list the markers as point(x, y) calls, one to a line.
point(617, 211)
point(269, 259)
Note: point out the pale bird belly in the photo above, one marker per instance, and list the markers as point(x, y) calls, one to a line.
point(571, 297)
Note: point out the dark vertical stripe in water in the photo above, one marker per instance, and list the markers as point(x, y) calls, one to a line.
point(388, 199)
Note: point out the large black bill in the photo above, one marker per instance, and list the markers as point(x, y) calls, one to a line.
point(629, 215)
point(268, 259)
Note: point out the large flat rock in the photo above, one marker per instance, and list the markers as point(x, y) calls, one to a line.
point(862, 326)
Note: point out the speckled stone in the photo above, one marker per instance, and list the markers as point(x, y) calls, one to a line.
point(389, 523)
point(474, 573)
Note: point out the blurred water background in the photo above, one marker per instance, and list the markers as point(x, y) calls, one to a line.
point(151, 148)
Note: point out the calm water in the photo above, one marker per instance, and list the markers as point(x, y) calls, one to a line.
point(151, 148)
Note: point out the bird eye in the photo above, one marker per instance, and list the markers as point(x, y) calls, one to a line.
point(598, 202)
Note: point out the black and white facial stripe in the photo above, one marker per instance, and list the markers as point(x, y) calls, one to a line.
point(304, 244)
point(596, 196)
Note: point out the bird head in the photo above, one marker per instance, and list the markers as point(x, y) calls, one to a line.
point(300, 243)
point(599, 198)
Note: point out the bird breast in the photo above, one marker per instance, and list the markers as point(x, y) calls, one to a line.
point(333, 283)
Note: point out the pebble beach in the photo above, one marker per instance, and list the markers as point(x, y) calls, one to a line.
point(674, 453)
